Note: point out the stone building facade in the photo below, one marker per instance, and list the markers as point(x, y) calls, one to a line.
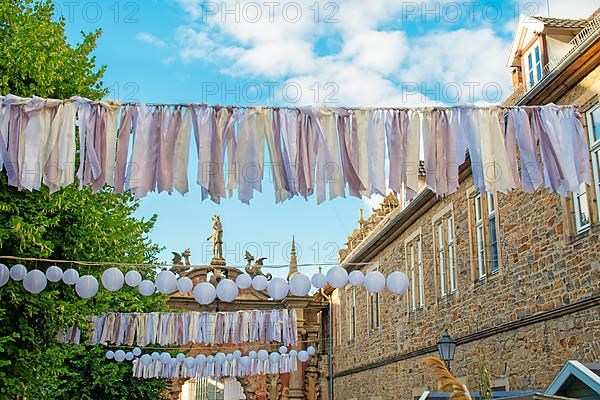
point(513, 277)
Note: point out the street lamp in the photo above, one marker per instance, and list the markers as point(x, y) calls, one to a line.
point(446, 347)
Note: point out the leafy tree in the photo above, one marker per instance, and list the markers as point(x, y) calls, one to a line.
point(36, 59)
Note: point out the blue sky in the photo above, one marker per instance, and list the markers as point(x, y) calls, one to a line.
point(355, 52)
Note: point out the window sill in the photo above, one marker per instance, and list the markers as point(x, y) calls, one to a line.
point(582, 233)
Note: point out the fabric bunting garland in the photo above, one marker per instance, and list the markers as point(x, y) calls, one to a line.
point(192, 327)
point(328, 151)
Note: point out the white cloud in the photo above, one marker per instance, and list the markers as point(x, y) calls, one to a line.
point(151, 39)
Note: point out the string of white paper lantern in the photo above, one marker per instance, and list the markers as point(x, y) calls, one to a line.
point(227, 290)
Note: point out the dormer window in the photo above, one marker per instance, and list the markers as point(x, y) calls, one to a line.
point(533, 65)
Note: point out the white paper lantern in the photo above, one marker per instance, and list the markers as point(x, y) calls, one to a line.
point(185, 284)
point(319, 280)
point(146, 288)
point(166, 282)
point(110, 354)
point(245, 362)
point(397, 282)
point(155, 355)
point(180, 357)
point(4, 275)
point(210, 358)
point(220, 358)
point(129, 356)
point(133, 278)
point(303, 356)
point(274, 357)
point(136, 351)
point(146, 360)
point(293, 353)
point(283, 349)
point(237, 354)
point(227, 290)
point(260, 282)
point(35, 281)
point(165, 357)
point(337, 277)
point(86, 286)
point(229, 357)
point(112, 279)
point(173, 362)
point(119, 356)
point(311, 350)
point(18, 272)
point(70, 276)
point(243, 281)
point(252, 354)
point(205, 293)
point(263, 355)
point(189, 362)
point(54, 273)
point(278, 288)
point(374, 282)
point(356, 278)
point(300, 285)
point(200, 360)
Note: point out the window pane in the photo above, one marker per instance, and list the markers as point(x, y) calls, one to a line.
point(442, 267)
point(480, 252)
point(537, 54)
point(493, 245)
point(413, 295)
point(582, 212)
point(491, 203)
point(451, 271)
point(529, 62)
point(420, 262)
point(595, 125)
point(477, 201)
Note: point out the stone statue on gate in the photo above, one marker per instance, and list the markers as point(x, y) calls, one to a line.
point(217, 241)
point(256, 269)
point(177, 264)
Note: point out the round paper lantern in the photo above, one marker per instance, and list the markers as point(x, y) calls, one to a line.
point(112, 279)
point(252, 354)
point(155, 355)
point(210, 359)
point(229, 357)
point(397, 282)
point(243, 281)
point(120, 356)
point(260, 282)
point(146, 359)
point(146, 288)
point(110, 354)
point(4, 275)
point(86, 286)
point(245, 362)
point(263, 355)
point(133, 278)
point(189, 362)
point(311, 350)
point(173, 362)
point(374, 282)
point(237, 354)
point(278, 288)
point(136, 351)
point(283, 349)
point(293, 353)
point(18, 272)
point(220, 358)
point(166, 282)
point(129, 356)
point(54, 273)
point(300, 285)
point(227, 290)
point(337, 277)
point(180, 357)
point(319, 280)
point(185, 284)
point(165, 357)
point(200, 360)
point(35, 281)
point(356, 278)
point(70, 276)
point(303, 356)
point(274, 357)
point(205, 293)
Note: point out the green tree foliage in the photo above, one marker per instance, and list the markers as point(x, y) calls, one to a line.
point(36, 59)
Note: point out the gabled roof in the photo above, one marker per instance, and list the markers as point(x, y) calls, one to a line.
point(563, 23)
point(588, 374)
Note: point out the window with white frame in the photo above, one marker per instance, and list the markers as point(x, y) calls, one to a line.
point(441, 257)
point(581, 200)
point(581, 209)
point(451, 253)
point(413, 292)
point(420, 264)
point(480, 236)
point(414, 261)
point(493, 237)
point(533, 65)
point(374, 312)
point(352, 313)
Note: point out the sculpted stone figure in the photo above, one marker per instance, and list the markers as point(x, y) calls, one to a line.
point(217, 238)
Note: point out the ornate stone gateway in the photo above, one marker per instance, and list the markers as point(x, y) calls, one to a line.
point(304, 384)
